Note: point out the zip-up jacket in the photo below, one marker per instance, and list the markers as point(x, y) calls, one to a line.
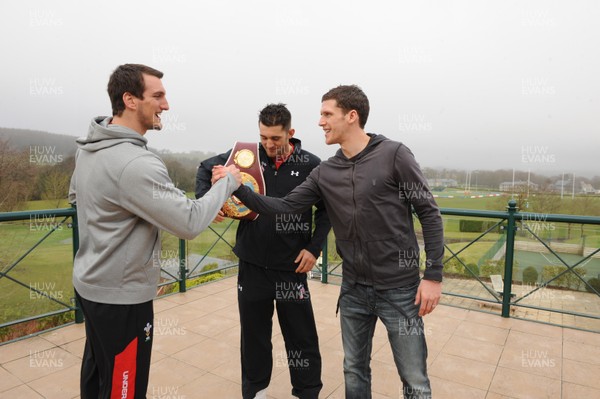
point(369, 199)
point(275, 240)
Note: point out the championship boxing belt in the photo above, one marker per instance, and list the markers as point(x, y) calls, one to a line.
point(245, 157)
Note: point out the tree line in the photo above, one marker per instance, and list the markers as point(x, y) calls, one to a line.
point(41, 173)
point(491, 179)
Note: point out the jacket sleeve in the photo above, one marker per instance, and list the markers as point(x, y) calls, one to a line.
point(72, 196)
point(413, 189)
point(300, 199)
point(322, 227)
point(322, 223)
point(147, 191)
point(72, 191)
point(204, 172)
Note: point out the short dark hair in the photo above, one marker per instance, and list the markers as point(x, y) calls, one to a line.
point(128, 78)
point(276, 115)
point(348, 98)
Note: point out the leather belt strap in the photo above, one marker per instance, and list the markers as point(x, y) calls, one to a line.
point(245, 157)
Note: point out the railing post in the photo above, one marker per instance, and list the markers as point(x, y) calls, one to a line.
point(508, 258)
point(182, 265)
point(324, 263)
point(75, 232)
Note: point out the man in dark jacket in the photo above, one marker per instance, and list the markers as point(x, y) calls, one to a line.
point(275, 253)
point(369, 188)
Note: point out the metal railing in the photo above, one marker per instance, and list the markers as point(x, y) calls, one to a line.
point(39, 219)
point(506, 221)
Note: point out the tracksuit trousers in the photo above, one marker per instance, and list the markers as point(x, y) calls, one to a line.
point(260, 290)
point(116, 358)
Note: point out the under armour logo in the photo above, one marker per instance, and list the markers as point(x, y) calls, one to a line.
point(295, 173)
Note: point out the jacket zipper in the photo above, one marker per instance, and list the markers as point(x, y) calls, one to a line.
point(359, 257)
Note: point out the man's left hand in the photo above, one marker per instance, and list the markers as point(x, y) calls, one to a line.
point(428, 295)
point(307, 261)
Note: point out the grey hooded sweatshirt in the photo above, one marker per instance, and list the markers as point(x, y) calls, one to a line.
point(124, 195)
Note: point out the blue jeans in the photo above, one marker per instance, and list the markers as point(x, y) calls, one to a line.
point(360, 306)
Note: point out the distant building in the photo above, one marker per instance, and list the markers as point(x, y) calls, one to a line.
point(518, 185)
point(587, 188)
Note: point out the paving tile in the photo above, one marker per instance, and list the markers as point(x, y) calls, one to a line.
point(8, 381)
point(482, 332)
point(169, 373)
point(185, 312)
point(533, 354)
point(451, 311)
point(75, 347)
point(66, 334)
point(440, 324)
point(580, 373)
point(385, 379)
point(22, 348)
point(161, 305)
point(493, 395)
point(469, 372)
point(231, 312)
point(520, 385)
point(169, 342)
point(61, 384)
point(210, 325)
point(23, 392)
point(490, 320)
point(444, 389)
point(38, 364)
point(581, 352)
point(207, 354)
point(574, 391)
point(210, 386)
point(481, 351)
point(537, 328)
point(586, 337)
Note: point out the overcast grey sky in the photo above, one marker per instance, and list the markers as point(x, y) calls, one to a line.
point(465, 84)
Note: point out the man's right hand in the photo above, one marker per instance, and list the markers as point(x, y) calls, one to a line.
point(220, 171)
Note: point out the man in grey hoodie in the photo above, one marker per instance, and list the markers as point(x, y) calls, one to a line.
point(124, 196)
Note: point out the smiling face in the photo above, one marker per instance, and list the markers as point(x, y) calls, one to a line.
point(333, 121)
point(152, 104)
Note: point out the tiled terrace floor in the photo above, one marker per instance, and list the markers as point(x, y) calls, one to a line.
point(196, 354)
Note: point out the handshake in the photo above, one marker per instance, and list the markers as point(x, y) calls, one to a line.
point(219, 172)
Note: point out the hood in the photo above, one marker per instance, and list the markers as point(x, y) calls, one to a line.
point(376, 139)
point(101, 135)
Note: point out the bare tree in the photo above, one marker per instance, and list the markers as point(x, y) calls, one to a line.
point(17, 176)
point(55, 186)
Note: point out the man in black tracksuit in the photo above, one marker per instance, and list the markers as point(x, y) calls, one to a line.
point(275, 252)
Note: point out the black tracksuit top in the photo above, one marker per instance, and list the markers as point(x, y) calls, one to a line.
point(274, 241)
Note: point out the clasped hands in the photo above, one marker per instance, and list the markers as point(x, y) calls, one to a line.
point(219, 172)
